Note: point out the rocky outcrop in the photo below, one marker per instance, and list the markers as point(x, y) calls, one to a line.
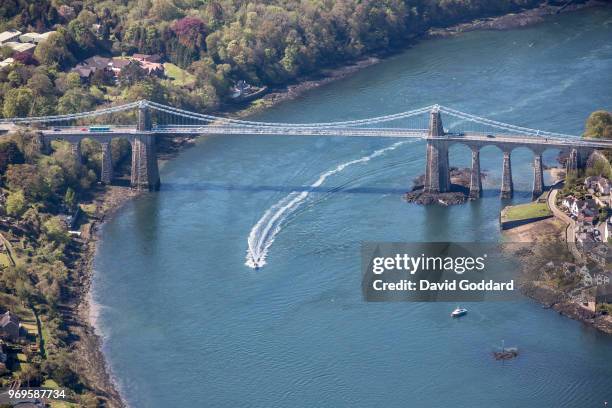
point(458, 194)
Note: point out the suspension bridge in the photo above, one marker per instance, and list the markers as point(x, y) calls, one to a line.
point(142, 122)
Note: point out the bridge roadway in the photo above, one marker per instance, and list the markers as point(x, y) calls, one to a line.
point(73, 134)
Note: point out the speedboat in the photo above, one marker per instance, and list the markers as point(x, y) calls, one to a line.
point(458, 312)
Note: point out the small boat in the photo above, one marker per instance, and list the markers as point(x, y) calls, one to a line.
point(458, 312)
point(506, 353)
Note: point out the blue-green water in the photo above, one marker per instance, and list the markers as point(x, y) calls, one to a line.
point(186, 323)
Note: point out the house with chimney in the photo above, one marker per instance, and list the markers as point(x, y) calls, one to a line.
point(9, 326)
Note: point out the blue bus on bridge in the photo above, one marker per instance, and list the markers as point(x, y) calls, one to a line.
point(99, 129)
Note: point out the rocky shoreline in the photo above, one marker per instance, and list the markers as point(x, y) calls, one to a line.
point(521, 19)
point(90, 360)
point(557, 300)
point(505, 22)
point(459, 192)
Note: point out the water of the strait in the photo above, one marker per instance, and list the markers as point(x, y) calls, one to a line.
point(187, 323)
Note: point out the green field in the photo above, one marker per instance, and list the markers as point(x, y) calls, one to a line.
point(526, 211)
point(179, 76)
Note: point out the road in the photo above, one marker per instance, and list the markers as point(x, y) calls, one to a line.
point(570, 235)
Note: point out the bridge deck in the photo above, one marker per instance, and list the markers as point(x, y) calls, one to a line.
point(479, 138)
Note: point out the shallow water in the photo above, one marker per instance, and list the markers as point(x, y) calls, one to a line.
point(185, 321)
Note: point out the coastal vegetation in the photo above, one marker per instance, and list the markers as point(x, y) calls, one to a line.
point(40, 194)
point(216, 42)
point(599, 125)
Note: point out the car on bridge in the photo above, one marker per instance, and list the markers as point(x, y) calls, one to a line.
point(491, 136)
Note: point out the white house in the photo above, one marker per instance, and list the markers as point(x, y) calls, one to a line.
point(603, 186)
point(19, 47)
point(6, 62)
point(568, 202)
point(9, 35)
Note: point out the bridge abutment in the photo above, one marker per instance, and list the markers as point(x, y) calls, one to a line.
point(571, 166)
point(538, 175)
point(507, 188)
point(577, 159)
point(145, 173)
point(106, 173)
point(475, 179)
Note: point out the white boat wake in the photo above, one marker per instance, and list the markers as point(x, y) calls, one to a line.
point(264, 232)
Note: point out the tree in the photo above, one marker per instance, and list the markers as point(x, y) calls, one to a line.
point(15, 203)
point(27, 178)
point(54, 51)
point(58, 368)
point(25, 58)
point(75, 100)
point(44, 100)
point(67, 81)
point(17, 102)
point(30, 376)
point(191, 32)
point(599, 125)
point(70, 198)
point(82, 36)
point(165, 10)
point(9, 154)
point(28, 143)
point(56, 231)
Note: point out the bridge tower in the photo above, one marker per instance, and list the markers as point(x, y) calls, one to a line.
point(437, 175)
point(144, 117)
point(145, 173)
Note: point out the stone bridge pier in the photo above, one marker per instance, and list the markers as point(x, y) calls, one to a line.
point(475, 179)
point(507, 187)
point(538, 174)
point(145, 172)
point(106, 172)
